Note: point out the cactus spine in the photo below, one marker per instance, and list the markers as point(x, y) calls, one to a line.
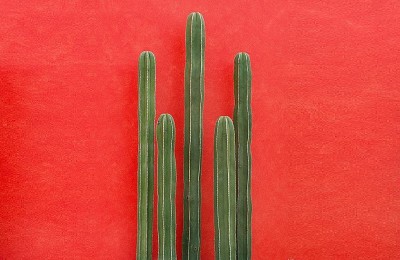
point(146, 115)
point(242, 119)
point(166, 174)
point(194, 95)
point(225, 189)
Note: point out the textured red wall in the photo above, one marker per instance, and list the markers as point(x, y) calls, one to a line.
point(326, 107)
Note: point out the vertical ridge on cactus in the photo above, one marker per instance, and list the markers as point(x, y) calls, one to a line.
point(166, 179)
point(243, 124)
point(146, 115)
point(194, 95)
point(225, 189)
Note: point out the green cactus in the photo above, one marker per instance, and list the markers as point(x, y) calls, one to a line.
point(146, 115)
point(242, 120)
point(166, 174)
point(194, 95)
point(225, 189)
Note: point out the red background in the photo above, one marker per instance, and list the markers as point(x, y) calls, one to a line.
point(326, 118)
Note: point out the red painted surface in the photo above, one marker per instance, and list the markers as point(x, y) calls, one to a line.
point(326, 106)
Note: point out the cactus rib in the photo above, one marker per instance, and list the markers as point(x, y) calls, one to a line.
point(166, 174)
point(243, 124)
point(225, 189)
point(146, 115)
point(194, 95)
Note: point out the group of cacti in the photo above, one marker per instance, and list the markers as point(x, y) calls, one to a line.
point(232, 160)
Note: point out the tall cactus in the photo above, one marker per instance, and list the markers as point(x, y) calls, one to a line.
point(225, 189)
point(194, 95)
point(242, 119)
point(166, 174)
point(146, 115)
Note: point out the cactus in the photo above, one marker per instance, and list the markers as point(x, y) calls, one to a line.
point(146, 115)
point(225, 189)
point(242, 121)
point(166, 176)
point(194, 95)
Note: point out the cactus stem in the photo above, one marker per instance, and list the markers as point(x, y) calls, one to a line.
point(194, 95)
point(166, 187)
point(242, 120)
point(225, 189)
point(146, 113)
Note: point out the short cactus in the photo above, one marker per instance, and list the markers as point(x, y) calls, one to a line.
point(242, 121)
point(146, 115)
point(166, 176)
point(194, 95)
point(225, 189)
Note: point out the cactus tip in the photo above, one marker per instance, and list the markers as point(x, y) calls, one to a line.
point(166, 117)
point(146, 54)
point(226, 119)
point(242, 56)
point(196, 16)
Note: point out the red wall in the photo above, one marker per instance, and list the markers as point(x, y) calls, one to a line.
point(326, 109)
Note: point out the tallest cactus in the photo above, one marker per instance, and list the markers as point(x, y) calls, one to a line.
point(194, 95)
